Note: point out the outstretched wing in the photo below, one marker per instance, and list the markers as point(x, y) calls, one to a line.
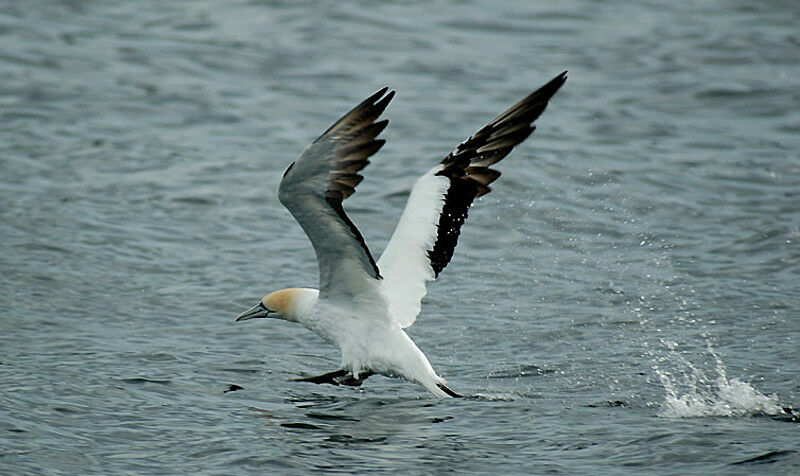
point(314, 186)
point(426, 236)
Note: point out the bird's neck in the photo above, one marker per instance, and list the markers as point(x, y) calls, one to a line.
point(303, 302)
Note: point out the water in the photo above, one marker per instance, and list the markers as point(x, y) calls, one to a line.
point(625, 301)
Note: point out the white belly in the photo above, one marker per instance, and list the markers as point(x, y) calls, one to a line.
point(373, 343)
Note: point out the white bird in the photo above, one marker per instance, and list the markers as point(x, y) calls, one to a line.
point(362, 306)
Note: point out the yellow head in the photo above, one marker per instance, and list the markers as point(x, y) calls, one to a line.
point(281, 304)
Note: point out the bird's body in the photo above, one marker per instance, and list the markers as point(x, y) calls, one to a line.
point(371, 343)
point(362, 305)
point(369, 340)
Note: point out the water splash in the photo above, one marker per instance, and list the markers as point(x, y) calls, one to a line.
point(691, 392)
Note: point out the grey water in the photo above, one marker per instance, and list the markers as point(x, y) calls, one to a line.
point(626, 300)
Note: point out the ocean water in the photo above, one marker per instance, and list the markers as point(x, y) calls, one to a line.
point(625, 301)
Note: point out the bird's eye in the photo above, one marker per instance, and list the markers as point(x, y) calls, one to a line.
point(264, 307)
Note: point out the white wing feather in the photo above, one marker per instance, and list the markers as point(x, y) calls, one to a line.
point(404, 264)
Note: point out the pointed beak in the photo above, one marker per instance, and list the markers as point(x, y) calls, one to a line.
point(259, 310)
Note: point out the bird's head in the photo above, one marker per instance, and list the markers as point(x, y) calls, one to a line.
point(279, 305)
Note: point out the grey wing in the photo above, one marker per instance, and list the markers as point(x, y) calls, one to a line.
point(315, 185)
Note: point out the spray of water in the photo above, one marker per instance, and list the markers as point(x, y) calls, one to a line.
point(691, 392)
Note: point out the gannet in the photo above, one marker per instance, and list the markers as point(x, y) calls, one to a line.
point(362, 306)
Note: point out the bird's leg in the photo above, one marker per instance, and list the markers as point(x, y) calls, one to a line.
point(330, 377)
point(351, 381)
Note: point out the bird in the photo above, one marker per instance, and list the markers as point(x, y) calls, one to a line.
point(362, 306)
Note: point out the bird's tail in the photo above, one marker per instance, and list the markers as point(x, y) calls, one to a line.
point(444, 388)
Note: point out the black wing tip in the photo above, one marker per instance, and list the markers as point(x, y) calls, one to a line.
point(380, 95)
point(378, 100)
point(379, 126)
point(552, 86)
point(376, 145)
point(365, 112)
point(541, 96)
point(381, 105)
point(390, 95)
point(376, 95)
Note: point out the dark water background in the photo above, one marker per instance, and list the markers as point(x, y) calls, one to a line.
point(626, 301)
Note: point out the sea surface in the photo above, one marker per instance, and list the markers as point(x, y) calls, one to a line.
point(626, 301)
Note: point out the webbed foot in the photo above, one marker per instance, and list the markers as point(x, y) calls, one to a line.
point(338, 377)
point(351, 381)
